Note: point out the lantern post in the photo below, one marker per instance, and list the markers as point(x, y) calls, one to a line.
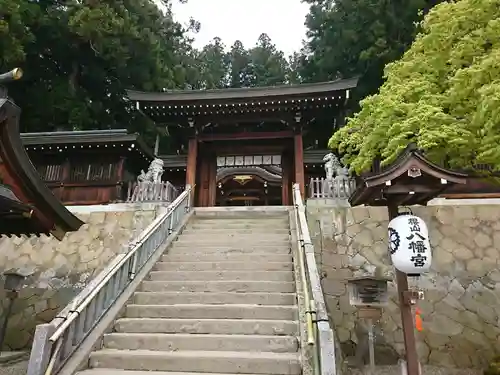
point(410, 180)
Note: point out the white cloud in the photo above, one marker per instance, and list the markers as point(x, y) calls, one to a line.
point(245, 20)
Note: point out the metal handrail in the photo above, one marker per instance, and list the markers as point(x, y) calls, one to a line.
point(85, 313)
point(319, 332)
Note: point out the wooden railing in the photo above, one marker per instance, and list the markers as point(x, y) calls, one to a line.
point(151, 192)
point(339, 187)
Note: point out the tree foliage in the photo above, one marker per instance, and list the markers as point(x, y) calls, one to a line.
point(443, 94)
point(79, 57)
point(261, 65)
point(348, 38)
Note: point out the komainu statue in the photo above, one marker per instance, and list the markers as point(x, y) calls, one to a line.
point(154, 173)
point(149, 184)
point(332, 163)
point(337, 182)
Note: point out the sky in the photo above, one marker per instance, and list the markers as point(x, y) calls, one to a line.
point(282, 20)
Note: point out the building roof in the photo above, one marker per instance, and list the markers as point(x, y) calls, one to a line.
point(87, 139)
point(411, 179)
point(27, 206)
point(230, 94)
point(174, 161)
point(315, 156)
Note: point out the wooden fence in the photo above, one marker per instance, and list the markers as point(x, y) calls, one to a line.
point(151, 192)
point(339, 187)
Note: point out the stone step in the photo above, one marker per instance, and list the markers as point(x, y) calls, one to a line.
point(199, 311)
point(221, 276)
point(237, 230)
point(198, 361)
point(197, 241)
point(259, 227)
point(183, 341)
point(218, 286)
point(107, 371)
point(208, 326)
point(238, 222)
point(223, 237)
point(228, 256)
point(241, 212)
point(172, 298)
point(223, 266)
point(241, 248)
point(243, 219)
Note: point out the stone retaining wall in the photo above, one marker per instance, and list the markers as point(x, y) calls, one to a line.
point(461, 309)
point(62, 268)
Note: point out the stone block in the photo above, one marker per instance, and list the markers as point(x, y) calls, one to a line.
point(62, 268)
point(462, 292)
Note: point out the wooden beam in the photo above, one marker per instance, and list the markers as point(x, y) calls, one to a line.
point(238, 149)
point(406, 189)
point(299, 163)
point(191, 162)
point(246, 135)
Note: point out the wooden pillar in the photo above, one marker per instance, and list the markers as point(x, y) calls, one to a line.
point(204, 181)
point(191, 162)
point(212, 180)
point(286, 179)
point(120, 172)
point(299, 163)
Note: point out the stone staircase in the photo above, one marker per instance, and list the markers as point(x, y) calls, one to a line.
point(221, 301)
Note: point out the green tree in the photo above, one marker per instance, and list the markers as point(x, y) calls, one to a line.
point(213, 65)
point(79, 57)
point(348, 38)
point(267, 65)
point(262, 65)
point(239, 66)
point(443, 94)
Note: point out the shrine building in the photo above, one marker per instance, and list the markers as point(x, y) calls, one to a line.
point(88, 167)
point(247, 146)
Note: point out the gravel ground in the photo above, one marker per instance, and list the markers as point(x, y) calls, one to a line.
point(18, 368)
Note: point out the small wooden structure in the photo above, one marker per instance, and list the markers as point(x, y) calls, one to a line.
point(410, 180)
point(27, 207)
point(88, 167)
point(221, 132)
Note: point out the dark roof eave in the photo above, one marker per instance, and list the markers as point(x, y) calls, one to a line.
point(33, 139)
point(43, 198)
point(244, 93)
point(411, 152)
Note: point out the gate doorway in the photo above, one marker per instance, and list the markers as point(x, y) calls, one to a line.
point(257, 173)
point(249, 186)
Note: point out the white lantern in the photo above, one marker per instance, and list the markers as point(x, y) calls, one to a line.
point(409, 245)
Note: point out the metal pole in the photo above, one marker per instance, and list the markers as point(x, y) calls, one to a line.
point(3, 329)
point(371, 346)
point(412, 365)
